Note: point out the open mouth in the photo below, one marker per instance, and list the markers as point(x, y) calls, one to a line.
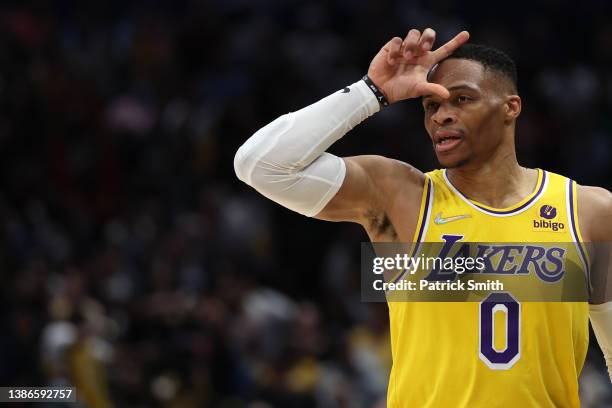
point(446, 140)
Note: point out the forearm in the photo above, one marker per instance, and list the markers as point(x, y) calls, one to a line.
point(285, 160)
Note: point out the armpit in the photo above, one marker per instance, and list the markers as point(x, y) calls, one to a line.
point(380, 225)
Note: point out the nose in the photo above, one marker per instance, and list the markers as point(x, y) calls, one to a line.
point(443, 116)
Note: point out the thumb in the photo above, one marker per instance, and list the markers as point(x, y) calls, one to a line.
point(428, 88)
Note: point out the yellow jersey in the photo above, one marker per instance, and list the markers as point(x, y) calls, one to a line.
point(465, 354)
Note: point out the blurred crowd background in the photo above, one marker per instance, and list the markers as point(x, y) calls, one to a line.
point(137, 267)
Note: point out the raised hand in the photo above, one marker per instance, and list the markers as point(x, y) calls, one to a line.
point(400, 68)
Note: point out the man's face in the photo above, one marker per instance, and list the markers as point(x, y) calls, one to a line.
point(469, 125)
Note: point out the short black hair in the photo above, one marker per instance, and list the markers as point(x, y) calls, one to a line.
point(490, 58)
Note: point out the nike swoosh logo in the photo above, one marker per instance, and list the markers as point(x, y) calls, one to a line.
point(439, 220)
point(346, 90)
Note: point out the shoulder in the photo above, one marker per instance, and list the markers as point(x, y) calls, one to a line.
point(595, 213)
point(597, 197)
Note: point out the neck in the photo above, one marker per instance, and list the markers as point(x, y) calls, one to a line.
point(498, 182)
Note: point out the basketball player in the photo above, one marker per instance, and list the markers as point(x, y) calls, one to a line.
point(469, 95)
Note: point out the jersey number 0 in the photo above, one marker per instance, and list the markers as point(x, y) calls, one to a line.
point(506, 357)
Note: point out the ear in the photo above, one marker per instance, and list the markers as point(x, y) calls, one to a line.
point(512, 107)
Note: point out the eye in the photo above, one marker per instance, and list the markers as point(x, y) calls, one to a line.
point(430, 106)
point(463, 98)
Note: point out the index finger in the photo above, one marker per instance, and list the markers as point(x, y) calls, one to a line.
point(448, 48)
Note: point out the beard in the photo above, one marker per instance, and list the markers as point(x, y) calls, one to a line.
point(454, 164)
point(457, 164)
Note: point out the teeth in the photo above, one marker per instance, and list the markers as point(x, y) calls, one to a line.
point(446, 140)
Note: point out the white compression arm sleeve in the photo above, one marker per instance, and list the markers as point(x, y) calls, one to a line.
point(601, 320)
point(285, 160)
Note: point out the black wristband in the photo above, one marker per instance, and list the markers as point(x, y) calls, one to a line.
point(379, 95)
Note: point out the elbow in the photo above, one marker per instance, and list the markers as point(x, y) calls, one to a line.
point(241, 164)
point(262, 157)
point(257, 171)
